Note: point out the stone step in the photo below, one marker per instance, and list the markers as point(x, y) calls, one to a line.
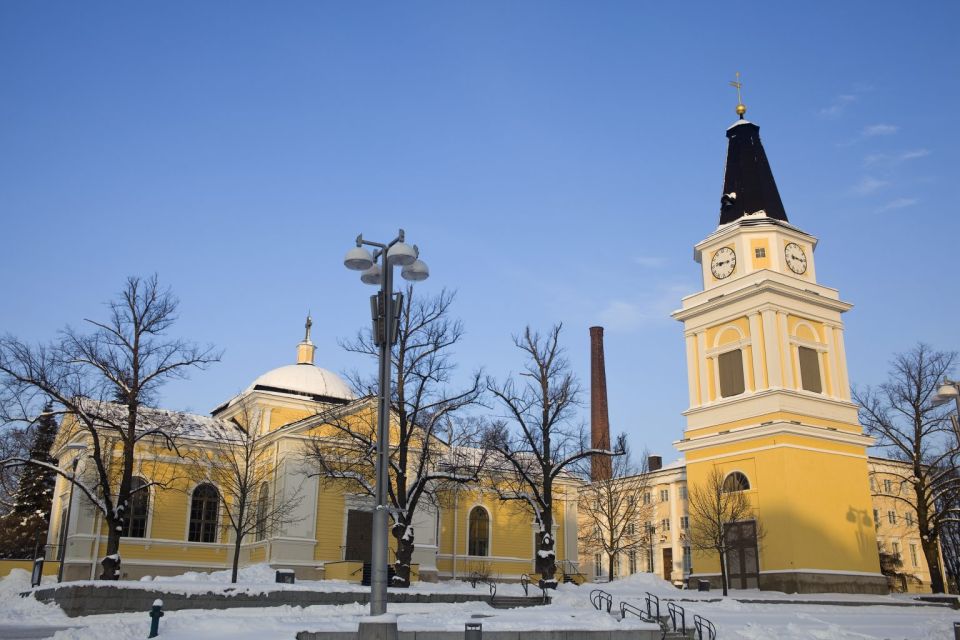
point(512, 602)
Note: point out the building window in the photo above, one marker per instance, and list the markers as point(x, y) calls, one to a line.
point(136, 524)
point(892, 517)
point(597, 565)
point(203, 514)
point(896, 549)
point(683, 492)
point(646, 498)
point(810, 369)
point(633, 562)
point(687, 560)
point(479, 541)
point(665, 524)
point(631, 529)
point(664, 495)
point(913, 554)
point(760, 252)
point(876, 518)
point(631, 501)
point(909, 518)
point(873, 485)
point(684, 522)
point(262, 503)
point(887, 486)
point(736, 481)
point(731, 373)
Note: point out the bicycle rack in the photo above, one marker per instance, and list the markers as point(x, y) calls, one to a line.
point(653, 600)
point(676, 610)
point(599, 597)
point(702, 624)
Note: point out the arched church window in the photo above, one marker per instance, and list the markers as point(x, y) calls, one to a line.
point(262, 503)
point(810, 369)
point(203, 514)
point(136, 525)
point(731, 373)
point(479, 532)
point(736, 481)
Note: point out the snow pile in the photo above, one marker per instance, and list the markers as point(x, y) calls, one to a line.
point(14, 609)
point(253, 574)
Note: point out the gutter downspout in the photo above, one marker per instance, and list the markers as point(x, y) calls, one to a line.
point(456, 510)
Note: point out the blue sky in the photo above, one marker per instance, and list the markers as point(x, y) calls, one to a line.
point(555, 161)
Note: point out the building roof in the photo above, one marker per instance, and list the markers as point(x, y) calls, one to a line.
point(304, 380)
point(748, 184)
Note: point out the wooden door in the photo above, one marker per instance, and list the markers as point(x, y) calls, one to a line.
point(667, 563)
point(743, 567)
point(359, 530)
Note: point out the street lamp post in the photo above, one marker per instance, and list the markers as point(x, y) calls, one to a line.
point(385, 320)
point(950, 390)
point(62, 555)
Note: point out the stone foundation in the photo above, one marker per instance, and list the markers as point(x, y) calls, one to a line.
point(808, 582)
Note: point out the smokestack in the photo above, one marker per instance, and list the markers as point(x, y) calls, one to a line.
point(600, 466)
point(654, 463)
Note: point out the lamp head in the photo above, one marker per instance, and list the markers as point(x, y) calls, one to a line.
point(417, 271)
point(358, 259)
point(371, 275)
point(401, 254)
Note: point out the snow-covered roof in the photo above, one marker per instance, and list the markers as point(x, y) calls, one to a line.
point(176, 424)
point(303, 379)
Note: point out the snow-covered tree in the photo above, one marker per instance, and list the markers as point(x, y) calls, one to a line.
point(538, 439)
point(427, 453)
point(102, 383)
point(27, 520)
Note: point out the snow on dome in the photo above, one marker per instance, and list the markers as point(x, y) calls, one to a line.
point(303, 379)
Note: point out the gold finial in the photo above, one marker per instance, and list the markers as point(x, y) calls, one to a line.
point(741, 108)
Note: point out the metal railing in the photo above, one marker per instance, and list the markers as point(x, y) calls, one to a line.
point(701, 624)
point(653, 601)
point(626, 607)
point(599, 597)
point(676, 611)
point(525, 583)
point(476, 578)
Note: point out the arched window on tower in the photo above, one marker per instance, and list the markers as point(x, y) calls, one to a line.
point(810, 369)
point(136, 525)
point(262, 503)
point(730, 366)
point(203, 514)
point(736, 481)
point(479, 532)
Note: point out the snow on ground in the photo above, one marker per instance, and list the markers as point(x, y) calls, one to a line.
point(571, 609)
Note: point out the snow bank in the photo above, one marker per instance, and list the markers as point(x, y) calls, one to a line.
point(14, 609)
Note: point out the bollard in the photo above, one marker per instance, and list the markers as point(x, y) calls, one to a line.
point(956, 631)
point(473, 631)
point(37, 575)
point(156, 612)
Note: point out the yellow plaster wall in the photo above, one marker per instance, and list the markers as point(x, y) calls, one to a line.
point(814, 506)
point(764, 262)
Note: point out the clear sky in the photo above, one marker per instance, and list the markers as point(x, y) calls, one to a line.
point(554, 161)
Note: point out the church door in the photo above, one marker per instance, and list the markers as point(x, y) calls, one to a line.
point(743, 569)
point(667, 563)
point(359, 530)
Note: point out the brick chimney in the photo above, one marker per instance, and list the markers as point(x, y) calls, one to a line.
point(600, 466)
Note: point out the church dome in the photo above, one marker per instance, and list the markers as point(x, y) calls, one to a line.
point(304, 379)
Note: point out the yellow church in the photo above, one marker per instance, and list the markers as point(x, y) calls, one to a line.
point(177, 523)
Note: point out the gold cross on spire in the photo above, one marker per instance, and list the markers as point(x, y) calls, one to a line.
point(741, 108)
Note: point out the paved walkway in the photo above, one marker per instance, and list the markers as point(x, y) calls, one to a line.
point(28, 632)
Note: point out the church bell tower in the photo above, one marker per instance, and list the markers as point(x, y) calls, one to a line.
point(769, 395)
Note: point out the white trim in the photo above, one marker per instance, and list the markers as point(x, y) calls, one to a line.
point(836, 572)
point(465, 557)
point(466, 547)
point(777, 446)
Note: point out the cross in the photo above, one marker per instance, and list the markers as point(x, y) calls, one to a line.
point(736, 83)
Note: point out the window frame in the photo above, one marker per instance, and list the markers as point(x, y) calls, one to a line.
point(470, 532)
point(139, 497)
point(205, 527)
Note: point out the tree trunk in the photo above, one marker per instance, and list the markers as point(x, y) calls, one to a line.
point(932, 556)
point(723, 570)
point(546, 561)
point(401, 568)
point(111, 560)
point(610, 562)
point(236, 559)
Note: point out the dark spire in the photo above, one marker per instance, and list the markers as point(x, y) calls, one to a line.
point(748, 185)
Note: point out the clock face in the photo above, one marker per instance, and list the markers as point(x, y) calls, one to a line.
point(723, 263)
point(796, 258)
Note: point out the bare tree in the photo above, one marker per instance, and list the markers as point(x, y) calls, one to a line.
point(612, 512)
point(235, 460)
point(101, 382)
point(427, 454)
point(900, 413)
point(546, 441)
point(713, 506)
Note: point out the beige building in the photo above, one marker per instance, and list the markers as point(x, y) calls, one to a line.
point(669, 556)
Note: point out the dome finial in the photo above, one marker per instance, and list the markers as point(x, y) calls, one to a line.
point(306, 350)
point(741, 108)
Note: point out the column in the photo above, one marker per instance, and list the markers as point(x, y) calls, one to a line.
point(756, 346)
point(774, 378)
point(693, 384)
point(702, 366)
point(786, 354)
point(842, 364)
